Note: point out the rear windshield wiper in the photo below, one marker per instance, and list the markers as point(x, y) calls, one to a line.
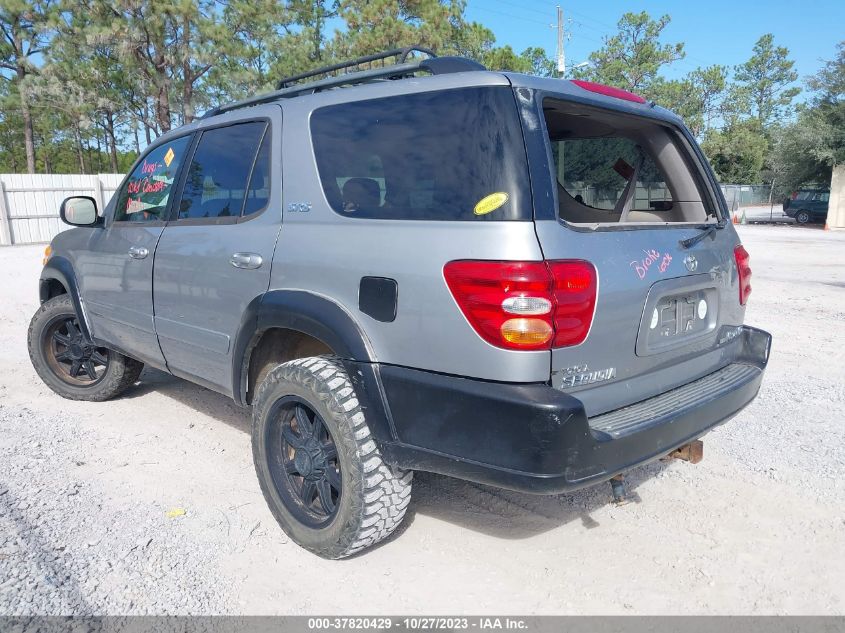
point(706, 229)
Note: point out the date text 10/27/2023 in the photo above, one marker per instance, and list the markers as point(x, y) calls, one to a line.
point(417, 623)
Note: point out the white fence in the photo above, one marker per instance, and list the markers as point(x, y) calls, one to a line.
point(29, 204)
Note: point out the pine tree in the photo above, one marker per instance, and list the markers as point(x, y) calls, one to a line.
point(766, 79)
point(26, 29)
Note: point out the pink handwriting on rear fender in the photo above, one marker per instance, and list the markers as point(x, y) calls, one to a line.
point(641, 267)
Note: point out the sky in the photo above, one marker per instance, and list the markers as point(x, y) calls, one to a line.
point(713, 31)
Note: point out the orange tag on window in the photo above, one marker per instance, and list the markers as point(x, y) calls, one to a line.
point(169, 156)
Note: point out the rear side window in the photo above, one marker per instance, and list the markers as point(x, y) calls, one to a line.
point(449, 155)
point(221, 179)
point(144, 195)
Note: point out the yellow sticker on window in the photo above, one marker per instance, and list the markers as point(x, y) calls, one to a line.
point(490, 203)
point(169, 156)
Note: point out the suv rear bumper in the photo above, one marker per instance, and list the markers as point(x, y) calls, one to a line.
point(534, 438)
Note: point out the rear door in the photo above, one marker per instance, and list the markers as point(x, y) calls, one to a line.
point(629, 190)
point(116, 270)
point(214, 257)
point(819, 204)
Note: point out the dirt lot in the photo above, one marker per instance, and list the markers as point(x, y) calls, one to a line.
point(757, 527)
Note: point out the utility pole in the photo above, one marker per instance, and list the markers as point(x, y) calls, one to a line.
point(561, 54)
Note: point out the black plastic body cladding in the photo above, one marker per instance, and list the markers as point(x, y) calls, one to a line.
point(534, 438)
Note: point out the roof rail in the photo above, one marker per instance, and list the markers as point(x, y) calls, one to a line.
point(433, 65)
point(401, 53)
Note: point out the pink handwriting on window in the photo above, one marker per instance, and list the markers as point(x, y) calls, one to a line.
point(149, 168)
point(145, 185)
point(133, 206)
point(153, 187)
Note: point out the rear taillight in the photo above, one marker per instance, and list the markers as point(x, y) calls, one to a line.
point(575, 288)
point(743, 270)
point(525, 305)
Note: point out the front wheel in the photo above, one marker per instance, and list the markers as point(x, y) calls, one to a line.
point(70, 364)
point(802, 217)
point(317, 463)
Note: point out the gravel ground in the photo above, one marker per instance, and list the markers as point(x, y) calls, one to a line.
point(149, 504)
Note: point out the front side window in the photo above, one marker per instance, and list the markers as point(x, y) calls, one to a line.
point(447, 155)
point(221, 178)
point(144, 196)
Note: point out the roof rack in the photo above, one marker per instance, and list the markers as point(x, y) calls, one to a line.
point(432, 64)
point(401, 53)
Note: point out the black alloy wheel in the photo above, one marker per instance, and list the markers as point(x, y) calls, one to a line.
point(319, 467)
point(303, 462)
point(72, 358)
point(68, 362)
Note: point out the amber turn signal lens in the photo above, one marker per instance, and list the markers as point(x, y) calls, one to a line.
point(47, 252)
point(529, 332)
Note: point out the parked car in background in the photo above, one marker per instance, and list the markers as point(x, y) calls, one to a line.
point(807, 205)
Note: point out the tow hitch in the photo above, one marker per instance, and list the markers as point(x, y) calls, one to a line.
point(692, 453)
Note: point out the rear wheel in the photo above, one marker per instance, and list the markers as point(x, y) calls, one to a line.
point(69, 363)
point(802, 217)
point(318, 466)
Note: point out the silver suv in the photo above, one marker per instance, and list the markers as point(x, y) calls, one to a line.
point(528, 283)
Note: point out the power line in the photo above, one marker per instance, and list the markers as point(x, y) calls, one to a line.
point(522, 7)
point(510, 15)
point(589, 18)
point(688, 62)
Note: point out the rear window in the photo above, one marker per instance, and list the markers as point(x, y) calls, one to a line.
point(448, 155)
point(595, 172)
point(612, 167)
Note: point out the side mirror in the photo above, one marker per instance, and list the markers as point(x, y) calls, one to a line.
point(79, 211)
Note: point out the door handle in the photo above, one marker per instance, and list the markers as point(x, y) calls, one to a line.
point(246, 260)
point(138, 252)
